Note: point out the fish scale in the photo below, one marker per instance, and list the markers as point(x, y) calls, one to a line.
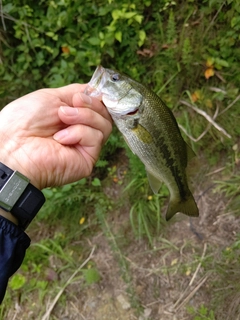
point(149, 152)
point(151, 131)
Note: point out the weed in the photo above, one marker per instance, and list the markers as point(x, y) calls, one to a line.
point(226, 288)
point(145, 213)
point(202, 313)
point(123, 263)
point(230, 187)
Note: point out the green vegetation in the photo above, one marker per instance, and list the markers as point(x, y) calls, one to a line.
point(188, 53)
point(202, 313)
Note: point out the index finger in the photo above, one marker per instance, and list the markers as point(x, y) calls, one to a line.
point(66, 93)
point(80, 99)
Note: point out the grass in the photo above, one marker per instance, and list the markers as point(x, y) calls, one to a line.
point(115, 243)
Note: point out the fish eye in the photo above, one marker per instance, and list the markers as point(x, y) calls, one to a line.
point(115, 77)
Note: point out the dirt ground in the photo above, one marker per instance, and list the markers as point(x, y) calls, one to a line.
point(151, 283)
point(160, 294)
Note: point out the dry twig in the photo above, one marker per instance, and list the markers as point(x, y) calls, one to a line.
point(231, 104)
point(199, 265)
point(2, 16)
point(207, 117)
point(47, 314)
point(203, 133)
point(178, 304)
point(213, 19)
point(192, 293)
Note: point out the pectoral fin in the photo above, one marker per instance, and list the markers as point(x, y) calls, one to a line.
point(142, 134)
point(155, 183)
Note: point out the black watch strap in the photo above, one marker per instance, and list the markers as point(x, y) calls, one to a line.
point(19, 196)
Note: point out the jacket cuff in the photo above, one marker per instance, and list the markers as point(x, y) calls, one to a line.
point(13, 244)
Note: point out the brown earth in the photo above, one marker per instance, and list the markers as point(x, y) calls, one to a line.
point(140, 282)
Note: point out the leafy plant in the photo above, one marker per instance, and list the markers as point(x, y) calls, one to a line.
point(91, 275)
point(67, 40)
point(17, 281)
point(202, 313)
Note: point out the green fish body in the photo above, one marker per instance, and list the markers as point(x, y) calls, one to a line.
point(151, 132)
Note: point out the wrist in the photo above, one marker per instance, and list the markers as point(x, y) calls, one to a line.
point(7, 215)
point(19, 197)
point(16, 166)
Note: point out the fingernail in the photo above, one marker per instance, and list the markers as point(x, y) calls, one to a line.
point(68, 111)
point(60, 135)
point(86, 99)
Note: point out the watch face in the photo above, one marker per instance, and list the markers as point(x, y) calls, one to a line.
point(12, 190)
point(19, 196)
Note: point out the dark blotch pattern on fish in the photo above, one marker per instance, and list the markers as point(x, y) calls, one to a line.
point(151, 131)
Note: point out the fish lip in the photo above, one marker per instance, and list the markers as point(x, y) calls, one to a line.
point(123, 114)
point(132, 113)
point(95, 85)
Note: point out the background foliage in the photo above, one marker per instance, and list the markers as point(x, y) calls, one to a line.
point(52, 43)
point(178, 49)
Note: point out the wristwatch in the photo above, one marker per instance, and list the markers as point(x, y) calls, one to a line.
point(19, 196)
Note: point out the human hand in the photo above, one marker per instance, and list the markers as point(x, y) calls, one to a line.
point(53, 136)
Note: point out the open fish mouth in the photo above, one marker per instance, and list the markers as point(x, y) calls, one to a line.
point(94, 87)
point(102, 86)
point(132, 113)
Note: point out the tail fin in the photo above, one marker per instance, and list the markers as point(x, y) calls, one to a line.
point(187, 207)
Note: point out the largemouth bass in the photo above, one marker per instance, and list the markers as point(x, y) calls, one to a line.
point(151, 132)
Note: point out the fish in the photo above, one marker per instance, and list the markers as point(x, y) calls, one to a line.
point(151, 132)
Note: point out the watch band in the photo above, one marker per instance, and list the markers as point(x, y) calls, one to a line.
point(19, 196)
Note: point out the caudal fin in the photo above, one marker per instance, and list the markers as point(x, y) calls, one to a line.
point(187, 207)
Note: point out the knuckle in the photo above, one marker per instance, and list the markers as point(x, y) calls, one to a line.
point(99, 137)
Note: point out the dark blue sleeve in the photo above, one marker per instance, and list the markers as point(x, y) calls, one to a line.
point(13, 245)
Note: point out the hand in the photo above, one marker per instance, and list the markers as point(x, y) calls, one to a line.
point(53, 136)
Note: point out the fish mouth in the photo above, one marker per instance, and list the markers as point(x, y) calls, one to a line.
point(97, 87)
point(96, 83)
point(132, 113)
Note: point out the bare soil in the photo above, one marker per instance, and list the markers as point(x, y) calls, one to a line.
point(157, 283)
